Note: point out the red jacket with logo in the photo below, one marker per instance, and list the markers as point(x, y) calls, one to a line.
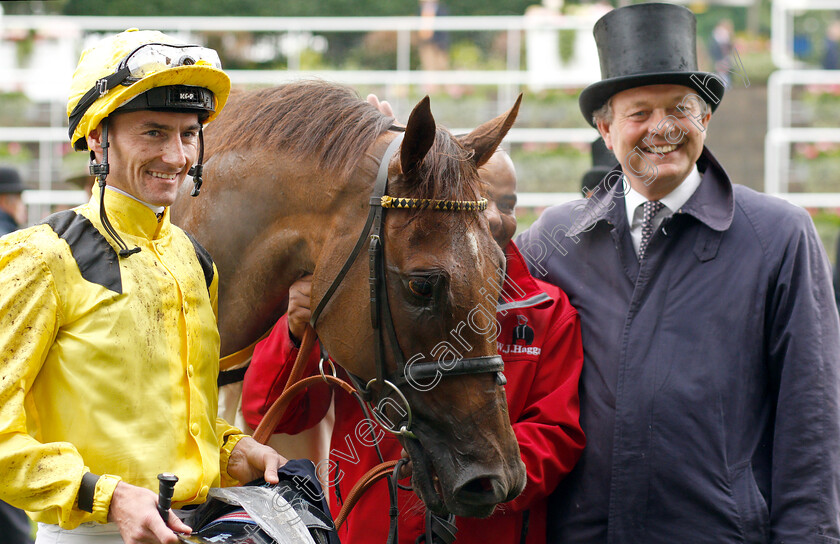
point(540, 343)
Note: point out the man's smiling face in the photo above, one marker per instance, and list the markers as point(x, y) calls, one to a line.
point(636, 115)
point(150, 153)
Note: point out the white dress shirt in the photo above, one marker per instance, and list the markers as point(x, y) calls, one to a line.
point(673, 201)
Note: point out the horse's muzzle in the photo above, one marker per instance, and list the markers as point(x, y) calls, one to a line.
point(478, 496)
point(481, 491)
point(470, 493)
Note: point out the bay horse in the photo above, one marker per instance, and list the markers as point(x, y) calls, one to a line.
point(288, 178)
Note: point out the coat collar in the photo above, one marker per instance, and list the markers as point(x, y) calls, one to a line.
point(712, 203)
point(520, 289)
point(131, 216)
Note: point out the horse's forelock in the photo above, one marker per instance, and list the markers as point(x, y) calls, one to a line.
point(446, 173)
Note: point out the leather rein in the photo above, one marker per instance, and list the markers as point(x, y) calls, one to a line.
point(383, 326)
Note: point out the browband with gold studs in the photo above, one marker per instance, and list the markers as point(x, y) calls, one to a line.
point(440, 205)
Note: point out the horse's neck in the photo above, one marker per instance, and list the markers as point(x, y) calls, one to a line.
point(291, 223)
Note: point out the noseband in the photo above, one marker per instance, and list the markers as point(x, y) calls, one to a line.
point(380, 311)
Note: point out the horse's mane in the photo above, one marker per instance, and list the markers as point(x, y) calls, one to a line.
point(312, 118)
point(333, 125)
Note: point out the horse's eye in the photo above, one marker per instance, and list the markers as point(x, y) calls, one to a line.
point(421, 287)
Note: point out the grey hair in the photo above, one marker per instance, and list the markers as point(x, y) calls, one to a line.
point(605, 112)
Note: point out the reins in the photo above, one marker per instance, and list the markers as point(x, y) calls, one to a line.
point(295, 385)
point(438, 529)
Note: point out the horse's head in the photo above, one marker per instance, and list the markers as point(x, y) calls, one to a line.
point(287, 188)
point(443, 272)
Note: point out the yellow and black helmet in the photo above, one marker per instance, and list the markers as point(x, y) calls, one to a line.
point(143, 69)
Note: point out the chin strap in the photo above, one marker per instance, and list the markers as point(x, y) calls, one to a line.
point(439, 529)
point(101, 172)
point(197, 169)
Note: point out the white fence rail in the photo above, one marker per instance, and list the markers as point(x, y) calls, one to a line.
point(781, 135)
point(782, 17)
point(71, 34)
point(63, 38)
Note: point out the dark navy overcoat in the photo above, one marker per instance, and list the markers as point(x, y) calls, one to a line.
point(711, 376)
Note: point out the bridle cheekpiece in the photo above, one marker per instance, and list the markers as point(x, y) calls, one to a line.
point(380, 311)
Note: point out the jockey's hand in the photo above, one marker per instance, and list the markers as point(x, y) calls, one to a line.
point(134, 510)
point(383, 106)
point(249, 460)
point(299, 311)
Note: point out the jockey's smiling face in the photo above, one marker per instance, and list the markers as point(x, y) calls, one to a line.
point(150, 153)
point(499, 175)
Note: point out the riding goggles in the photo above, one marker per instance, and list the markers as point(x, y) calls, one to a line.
point(154, 57)
point(143, 61)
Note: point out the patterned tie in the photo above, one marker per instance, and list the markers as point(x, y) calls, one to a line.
point(649, 211)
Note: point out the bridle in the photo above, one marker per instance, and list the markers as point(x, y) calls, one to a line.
point(438, 529)
point(380, 311)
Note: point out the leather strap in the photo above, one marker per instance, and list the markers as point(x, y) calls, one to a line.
point(440, 530)
point(421, 371)
point(227, 377)
point(233, 360)
point(370, 477)
point(378, 191)
point(272, 417)
point(306, 346)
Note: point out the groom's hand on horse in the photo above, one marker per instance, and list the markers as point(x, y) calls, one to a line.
point(383, 106)
point(299, 311)
point(249, 460)
point(134, 510)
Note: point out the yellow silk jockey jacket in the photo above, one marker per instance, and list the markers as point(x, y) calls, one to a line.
point(108, 365)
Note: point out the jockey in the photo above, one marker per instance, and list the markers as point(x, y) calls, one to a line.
point(540, 343)
point(109, 348)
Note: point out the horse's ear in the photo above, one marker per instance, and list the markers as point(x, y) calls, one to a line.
point(486, 138)
point(419, 136)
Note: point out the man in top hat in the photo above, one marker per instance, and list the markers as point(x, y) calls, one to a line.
point(109, 345)
point(710, 390)
point(12, 209)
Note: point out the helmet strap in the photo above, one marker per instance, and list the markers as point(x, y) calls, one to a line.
point(197, 169)
point(101, 172)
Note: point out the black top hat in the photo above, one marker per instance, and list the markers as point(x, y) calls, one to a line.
point(647, 44)
point(10, 181)
point(603, 161)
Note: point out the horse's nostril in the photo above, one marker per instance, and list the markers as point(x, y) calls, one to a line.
point(479, 485)
point(479, 491)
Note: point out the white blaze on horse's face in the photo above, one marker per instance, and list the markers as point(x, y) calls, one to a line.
point(473, 244)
